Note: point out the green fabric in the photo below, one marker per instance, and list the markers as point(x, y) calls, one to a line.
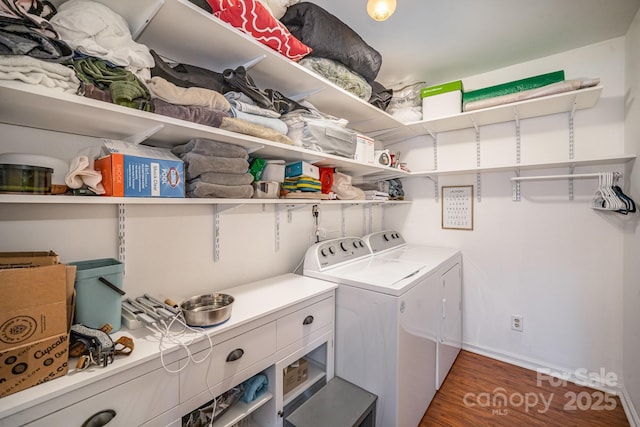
point(513, 87)
point(125, 88)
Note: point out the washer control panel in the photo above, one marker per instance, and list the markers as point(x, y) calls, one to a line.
point(335, 251)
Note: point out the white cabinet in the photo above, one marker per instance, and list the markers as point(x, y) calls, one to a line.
point(140, 391)
point(129, 404)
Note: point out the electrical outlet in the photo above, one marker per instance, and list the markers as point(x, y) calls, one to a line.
point(517, 323)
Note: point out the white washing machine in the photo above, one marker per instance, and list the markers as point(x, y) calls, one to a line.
point(447, 264)
point(386, 325)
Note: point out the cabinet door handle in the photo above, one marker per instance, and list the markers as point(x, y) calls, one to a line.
point(308, 320)
point(235, 355)
point(100, 419)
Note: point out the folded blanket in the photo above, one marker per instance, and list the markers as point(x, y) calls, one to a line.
point(246, 128)
point(209, 147)
point(551, 89)
point(249, 106)
point(167, 91)
point(204, 189)
point(191, 113)
point(197, 164)
point(268, 122)
point(221, 178)
point(38, 72)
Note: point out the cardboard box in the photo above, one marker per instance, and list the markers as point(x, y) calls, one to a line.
point(441, 100)
point(365, 151)
point(27, 259)
point(301, 168)
point(35, 361)
point(294, 375)
point(33, 304)
point(133, 170)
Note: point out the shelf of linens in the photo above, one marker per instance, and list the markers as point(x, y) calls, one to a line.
point(39, 107)
point(610, 160)
point(183, 32)
point(98, 200)
point(553, 104)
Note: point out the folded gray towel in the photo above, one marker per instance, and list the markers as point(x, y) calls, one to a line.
point(226, 178)
point(191, 113)
point(204, 189)
point(197, 164)
point(210, 147)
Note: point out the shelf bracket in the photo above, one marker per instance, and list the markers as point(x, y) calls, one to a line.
point(292, 207)
point(142, 136)
point(515, 188)
point(478, 164)
point(304, 95)
point(475, 125)
point(122, 216)
point(276, 228)
point(436, 191)
point(516, 118)
point(217, 210)
point(435, 166)
point(431, 134)
point(570, 183)
point(252, 62)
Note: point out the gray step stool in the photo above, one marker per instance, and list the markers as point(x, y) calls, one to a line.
point(338, 404)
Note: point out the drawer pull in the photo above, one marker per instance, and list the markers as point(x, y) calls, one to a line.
point(235, 355)
point(100, 419)
point(307, 320)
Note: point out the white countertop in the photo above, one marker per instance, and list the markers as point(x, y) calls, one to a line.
point(253, 301)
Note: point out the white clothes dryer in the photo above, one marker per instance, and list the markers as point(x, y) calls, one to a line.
point(386, 327)
point(446, 263)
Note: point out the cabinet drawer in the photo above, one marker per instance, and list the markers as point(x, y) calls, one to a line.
point(246, 349)
point(133, 402)
point(297, 325)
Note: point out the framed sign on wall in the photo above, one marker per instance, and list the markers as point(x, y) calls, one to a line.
point(457, 207)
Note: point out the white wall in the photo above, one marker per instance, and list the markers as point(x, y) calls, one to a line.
point(556, 262)
point(169, 249)
point(631, 289)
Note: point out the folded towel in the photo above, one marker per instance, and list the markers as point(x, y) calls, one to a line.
point(302, 183)
point(254, 387)
point(38, 72)
point(204, 189)
point(209, 147)
point(192, 113)
point(244, 127)
point(81, 173)
point(197, 164)
point(167, 91)
point(226, 178)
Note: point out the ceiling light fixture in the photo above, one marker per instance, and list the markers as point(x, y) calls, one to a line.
point(380, 10)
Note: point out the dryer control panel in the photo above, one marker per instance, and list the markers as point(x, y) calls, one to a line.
point(335, 251)
point(384, 240)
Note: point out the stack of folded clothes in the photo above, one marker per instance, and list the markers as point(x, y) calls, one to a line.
point(305, 184)
point(215, 169)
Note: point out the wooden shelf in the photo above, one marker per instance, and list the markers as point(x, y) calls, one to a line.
point(529, 166)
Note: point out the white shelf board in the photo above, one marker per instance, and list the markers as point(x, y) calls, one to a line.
point(530, 166)
point(44, 108)
point(98, 200)
point(241, 410)
point(186, 33)
point(553, 104)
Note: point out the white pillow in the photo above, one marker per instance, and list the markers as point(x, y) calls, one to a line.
point(279, 7)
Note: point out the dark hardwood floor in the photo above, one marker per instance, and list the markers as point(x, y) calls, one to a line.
point(480, 391)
